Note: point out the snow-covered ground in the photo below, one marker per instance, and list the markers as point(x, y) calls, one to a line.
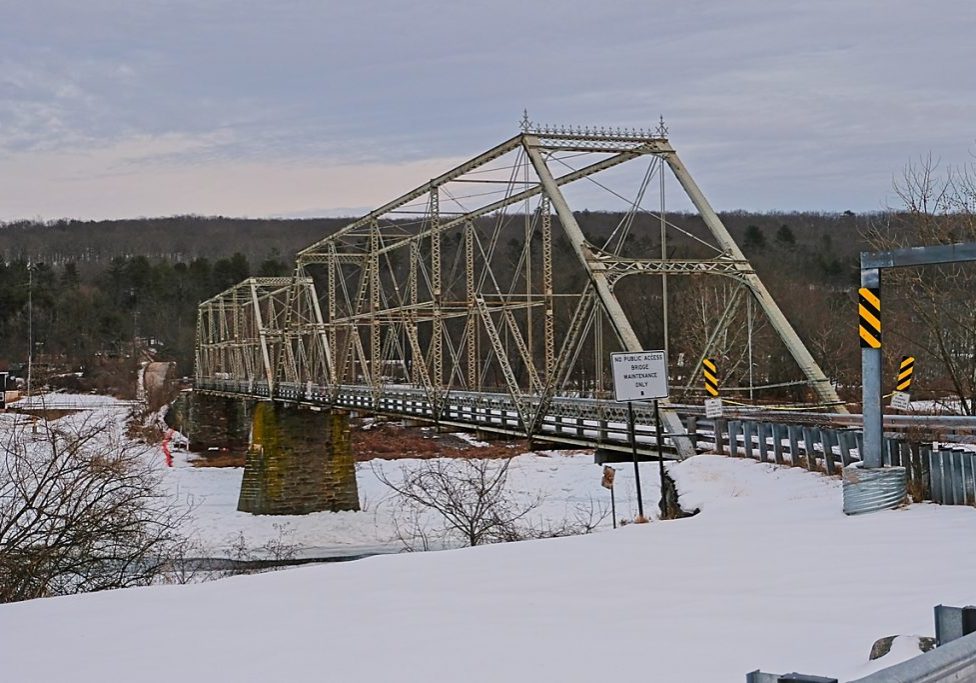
point(769, 575)
point(565, 481)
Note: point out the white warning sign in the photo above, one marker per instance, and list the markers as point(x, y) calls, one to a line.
point(639, 376)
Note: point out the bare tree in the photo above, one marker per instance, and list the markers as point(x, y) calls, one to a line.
point(81, 509)
point(468, 502)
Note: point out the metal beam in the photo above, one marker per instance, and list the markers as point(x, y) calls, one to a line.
point(418, 192)
point(597, 271)
point(920, 256)
point(872, 358)
point(311, 255)
point(794, 344)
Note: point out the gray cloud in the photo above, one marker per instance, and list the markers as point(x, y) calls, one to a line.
point(773, 105)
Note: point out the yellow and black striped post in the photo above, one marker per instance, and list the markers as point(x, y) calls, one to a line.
point(905, 370)
point(710, 373)
point(869, 312)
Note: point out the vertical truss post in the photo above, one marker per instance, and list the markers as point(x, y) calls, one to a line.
point(417, 360)
point(331, 266)
point(528, 265)
point(598, 276)
point(472, 324)
point(263, 336)
point(598, 354)
point(375, 355)
point(322, 335)
point(804, 359)
point(664, 256)
point(436, 324)
point(286, 366)
point(198, 368)
point(547, 291)
point(212, 339)
point(236, 340)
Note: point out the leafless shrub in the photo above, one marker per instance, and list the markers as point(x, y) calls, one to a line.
point(80, 510)
point(447, 503)
point(272, 553)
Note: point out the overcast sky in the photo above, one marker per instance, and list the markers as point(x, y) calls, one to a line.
point(295, 107)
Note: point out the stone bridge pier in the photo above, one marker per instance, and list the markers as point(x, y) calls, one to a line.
point(298, 460)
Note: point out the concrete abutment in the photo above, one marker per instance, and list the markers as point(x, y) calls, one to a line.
point(212, 422)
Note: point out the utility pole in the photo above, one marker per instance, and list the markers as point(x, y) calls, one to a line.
point(30, 324)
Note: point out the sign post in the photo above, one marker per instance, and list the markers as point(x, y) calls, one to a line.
point(608, 474)
point(641, 376)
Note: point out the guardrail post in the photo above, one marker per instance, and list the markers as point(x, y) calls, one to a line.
point(719, 429)
point(763, 445)
point(734, 426)
point(793, 433)
point(778, 434)
point(747, 438)
point(952, 623)
point(845, 440)
point(808, 448)
point(827, 439)
point(692, 427)
point(969, 482)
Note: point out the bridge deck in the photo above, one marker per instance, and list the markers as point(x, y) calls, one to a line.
point(579, 422)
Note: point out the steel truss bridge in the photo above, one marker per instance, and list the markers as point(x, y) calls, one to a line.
point(444, 304)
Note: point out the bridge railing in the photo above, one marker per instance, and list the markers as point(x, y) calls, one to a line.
point(944, 473)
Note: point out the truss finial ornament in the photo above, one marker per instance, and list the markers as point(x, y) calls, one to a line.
point(662, 130)
point(525, 124)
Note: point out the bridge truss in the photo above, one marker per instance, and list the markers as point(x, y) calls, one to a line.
point(451, 288)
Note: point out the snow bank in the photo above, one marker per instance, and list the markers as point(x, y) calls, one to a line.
point(566, 481)
point(770, 575)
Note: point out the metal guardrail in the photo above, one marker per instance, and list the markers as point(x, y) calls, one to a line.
point(818, 441)
point(587, 423)
point(953, 661)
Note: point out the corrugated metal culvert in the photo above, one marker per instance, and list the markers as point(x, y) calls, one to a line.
point(870, 490)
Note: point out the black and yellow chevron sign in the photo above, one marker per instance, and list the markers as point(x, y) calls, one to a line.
point(869, 311)
point(710, 373)
point(905, 370)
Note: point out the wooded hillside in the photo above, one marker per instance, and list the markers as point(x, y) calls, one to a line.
point(97, 286)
